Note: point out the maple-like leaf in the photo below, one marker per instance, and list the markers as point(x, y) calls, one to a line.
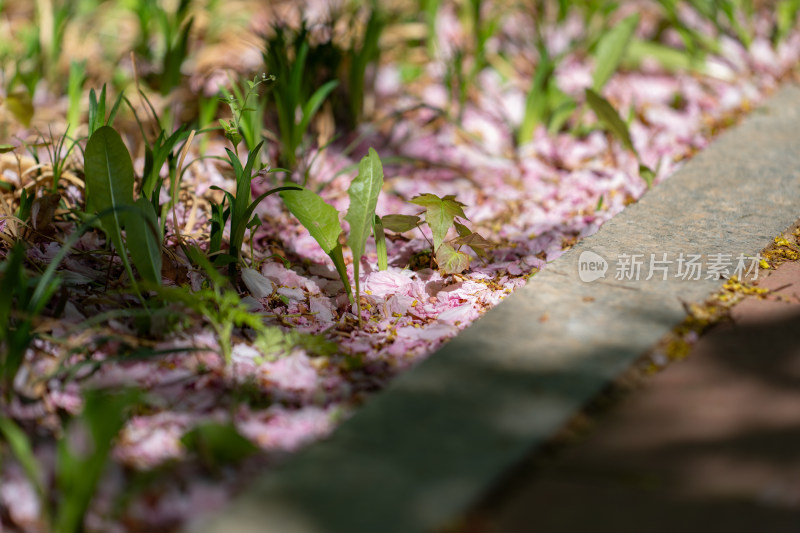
point(439, 214)
point(450, 260)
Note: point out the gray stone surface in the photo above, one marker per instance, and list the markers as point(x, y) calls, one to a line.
point(424, 449)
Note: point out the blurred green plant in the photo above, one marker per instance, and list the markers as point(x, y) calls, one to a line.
point(22, 300)
point(77, 77)
point(246, 122)
point(82, 457)
point(297, 98)
point(164, 39)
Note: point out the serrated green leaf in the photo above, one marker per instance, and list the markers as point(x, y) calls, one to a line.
point(439, 214)
point(610, 119)
point(363, 193)
point(462, 230)
point(318, 217)
point(611, 49)
point(143, 238)
point(322, 222)
point(400, 223)
point(473, 240)
point(451, 261)
point(314, 344)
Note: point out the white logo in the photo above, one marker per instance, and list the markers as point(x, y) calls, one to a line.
point(591, 266)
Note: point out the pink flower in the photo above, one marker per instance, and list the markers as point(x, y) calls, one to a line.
point(281, 429)
point(387, 282)
point(459, 316)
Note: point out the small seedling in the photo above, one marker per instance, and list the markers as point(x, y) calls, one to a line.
point(240, 208)
point(246, 122)
point(58, 157)
point(322, 220)
point(363, 192)
point(97, 110)
point(442, 214)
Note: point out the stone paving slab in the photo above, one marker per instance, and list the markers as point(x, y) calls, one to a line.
point(712, 443)
point(420, 452)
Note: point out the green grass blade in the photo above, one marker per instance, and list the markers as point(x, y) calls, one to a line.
point(78, 471)
point(380, 243)
point(144, 240)
point(21, 447)
point(238, 230)
point(610, 119)
point(610, 51)
point(536, 101)
point(311, 107)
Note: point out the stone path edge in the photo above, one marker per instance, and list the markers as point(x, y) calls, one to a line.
point(427, 447)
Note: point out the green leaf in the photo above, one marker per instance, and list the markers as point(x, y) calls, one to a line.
point(647, 175)
point(536, 104)
point(144, 240)
point(610, 119)
point(109, 181)
point(20, 105)
point(318, 217)
point(5, 148)
point(380, 243)
point(363, 193)
point(451, 261)
point(669, 58)
point(197, 257)
point(611, 49)
point(785, 15)
point(439, 214)
point(322, 222)
point(562, 106)
point(23, 451)
point(311, 107)
point(83, 453)
point(400, 223)
point(218, 444)
point(471, 239)
point(337, 257)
